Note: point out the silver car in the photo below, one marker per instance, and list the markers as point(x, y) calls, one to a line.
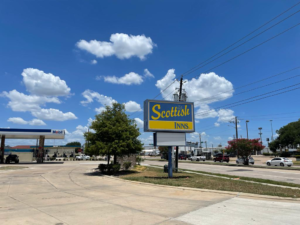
point(280, 162)
point(240, 161)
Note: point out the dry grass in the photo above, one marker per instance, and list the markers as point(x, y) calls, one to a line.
point(12, 167)
point(156, 176)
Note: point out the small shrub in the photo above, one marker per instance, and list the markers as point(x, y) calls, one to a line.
point(266, 154)
point(127, 165)
point(116, 167)
point(285, 154)
point(297, 156)
point(102, 167)
point(139, 160)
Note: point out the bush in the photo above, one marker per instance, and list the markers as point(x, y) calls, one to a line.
point(297, 156)
point(102, 167)
point(127, 165)
point(285, 154)
point(266, 154)
point(139, 160)
point(116, 167)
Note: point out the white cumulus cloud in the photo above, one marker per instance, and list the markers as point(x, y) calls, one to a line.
point(100, 109)
point(20, 102)
point(127, 79)
point(38, 82)
point(93, 62)
point(217, 124)
point(139, 123)
point(203, 90)
point(225, 115)
point(19, 120)
point(53, 114)
point(121, 45)
point(91, 95)
point(132, 106)
point(148, 74)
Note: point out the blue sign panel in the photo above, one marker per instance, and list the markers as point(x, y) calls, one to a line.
point(168, 116)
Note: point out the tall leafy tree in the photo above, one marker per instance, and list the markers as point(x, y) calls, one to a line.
point(114, 133)
point(74, 143)
point(244, 147)
point(287, 135)
point(164, 151)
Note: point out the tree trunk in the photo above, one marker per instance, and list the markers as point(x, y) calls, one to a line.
point(108, 158)
point(115, 159)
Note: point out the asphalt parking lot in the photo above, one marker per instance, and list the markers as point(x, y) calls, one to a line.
point(72, 193)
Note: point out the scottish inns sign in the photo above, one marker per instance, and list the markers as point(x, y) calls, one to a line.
point(168, 116)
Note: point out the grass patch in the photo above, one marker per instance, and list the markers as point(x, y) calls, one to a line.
point(259, 180)
point(12, 167)
point(233, 165)
point(183, 179)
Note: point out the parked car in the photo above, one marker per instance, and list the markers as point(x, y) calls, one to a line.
point(280, 162)
point(182, 157)
point(198, 158)
point(12, 158)
point(82, 157)
point(241, 161)
point(221, 158)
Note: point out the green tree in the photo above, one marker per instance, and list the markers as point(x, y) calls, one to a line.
point(287, 135)
point(74, 143)
point(164, 150)
point(244, 147)
point(114, 133)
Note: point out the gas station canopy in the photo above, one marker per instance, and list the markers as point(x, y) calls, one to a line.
point(13, 133)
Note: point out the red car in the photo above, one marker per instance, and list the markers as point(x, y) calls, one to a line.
point(221, 158)
point(182, 157)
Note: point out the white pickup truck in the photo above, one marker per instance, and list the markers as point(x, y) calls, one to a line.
point(198, 158)
point(82, 157)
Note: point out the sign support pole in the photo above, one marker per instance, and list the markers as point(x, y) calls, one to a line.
point(170, 169)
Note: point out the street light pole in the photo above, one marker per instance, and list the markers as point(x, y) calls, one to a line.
point(247, 121)
point(260, 133)
point(272, 130)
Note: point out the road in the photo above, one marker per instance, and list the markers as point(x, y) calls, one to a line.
point(72, 193)
point(290, 176)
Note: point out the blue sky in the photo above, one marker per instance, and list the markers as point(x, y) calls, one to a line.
point(61, 61)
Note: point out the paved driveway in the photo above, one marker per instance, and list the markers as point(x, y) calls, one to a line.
point(70, 193)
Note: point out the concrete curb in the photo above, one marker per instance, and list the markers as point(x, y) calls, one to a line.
point(234, 194)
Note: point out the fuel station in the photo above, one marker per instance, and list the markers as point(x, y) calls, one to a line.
point(37, 134)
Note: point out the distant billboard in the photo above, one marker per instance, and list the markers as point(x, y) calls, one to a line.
point(168, 116)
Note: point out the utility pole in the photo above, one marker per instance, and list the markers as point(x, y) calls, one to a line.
point(176, 153)
point(272, 130)
point(260, 133)
point(247, 121)
point(237, 135)
point(236, 128)
point(200, 140)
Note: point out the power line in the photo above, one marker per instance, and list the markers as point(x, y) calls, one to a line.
point(184, 74)
point(273, 114)
point(254, 47)
point(245, 36)
point(199, 67)
point(203, 113)
point(276, 82)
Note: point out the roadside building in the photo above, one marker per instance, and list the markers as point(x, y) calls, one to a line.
point(27, 153)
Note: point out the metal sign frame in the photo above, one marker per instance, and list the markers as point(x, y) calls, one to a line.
point(147, 119)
